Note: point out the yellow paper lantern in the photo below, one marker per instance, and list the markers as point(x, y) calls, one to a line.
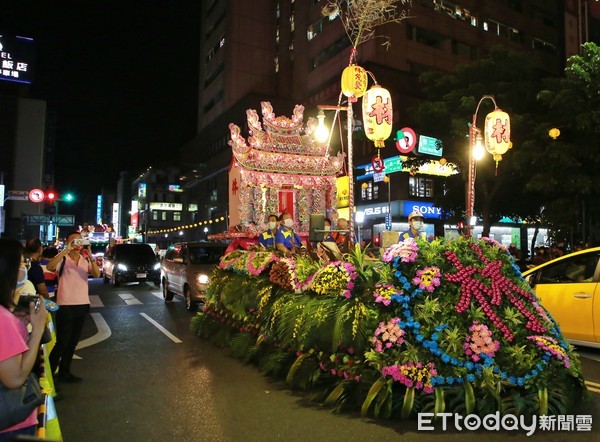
point(554, 133)
point(377, 115)
point(497, 133)
point(354, 81)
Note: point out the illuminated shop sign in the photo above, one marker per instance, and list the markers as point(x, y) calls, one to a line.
point(394, 164)
point(16, 59)
point(427, 209)
point(175, 188)
point(166, 206)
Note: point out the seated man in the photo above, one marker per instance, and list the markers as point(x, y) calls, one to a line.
point(267, 238)
point(286, 240)
point(340, 237)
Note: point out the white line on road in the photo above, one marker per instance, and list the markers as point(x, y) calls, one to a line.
point(171, 336)
point(590, 356)
point(130, 299)
point(95, 301)
point(157, 294)
point(102, 333)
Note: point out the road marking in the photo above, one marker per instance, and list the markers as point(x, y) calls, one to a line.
point(95, 301)
point(159, 295)
point(171, 336)
point(590, 356)
point(130, 299)
point(103, 332)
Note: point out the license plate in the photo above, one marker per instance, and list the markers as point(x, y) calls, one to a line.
point(140, 275)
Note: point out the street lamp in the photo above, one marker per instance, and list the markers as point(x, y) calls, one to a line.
point(497, 142)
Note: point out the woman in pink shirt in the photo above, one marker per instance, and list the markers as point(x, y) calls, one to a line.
point(18, 350)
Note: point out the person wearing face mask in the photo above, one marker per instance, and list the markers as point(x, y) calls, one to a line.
point(74, 301)
point(286, 240)
point(327, 227)
point(415, 222)
point(267, 238)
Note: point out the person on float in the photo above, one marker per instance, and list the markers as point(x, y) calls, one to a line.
point(74, 301)
point(18, 349)
point(267, 238)
point(286, 240)
point(415, 223)
point(328, 234)
point(340, 237)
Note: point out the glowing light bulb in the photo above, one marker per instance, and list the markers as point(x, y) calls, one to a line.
point(478, 150)
point(321, 133)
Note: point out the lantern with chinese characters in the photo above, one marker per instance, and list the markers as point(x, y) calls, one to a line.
point(354, 82)
point(377, 115)
point(497, 134)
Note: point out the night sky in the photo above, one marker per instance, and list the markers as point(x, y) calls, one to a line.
point(120, 77)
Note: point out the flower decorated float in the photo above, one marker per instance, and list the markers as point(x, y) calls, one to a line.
point(446, 326)
point(280, 167)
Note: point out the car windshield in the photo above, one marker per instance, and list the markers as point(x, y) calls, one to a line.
point(135, 252)
point(205, 255)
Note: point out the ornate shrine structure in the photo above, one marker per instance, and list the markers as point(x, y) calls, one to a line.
point(280, 168)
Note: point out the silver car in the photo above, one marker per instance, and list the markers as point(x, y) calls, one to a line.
point(186, 269)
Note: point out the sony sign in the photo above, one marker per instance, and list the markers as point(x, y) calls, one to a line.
point(427, 209)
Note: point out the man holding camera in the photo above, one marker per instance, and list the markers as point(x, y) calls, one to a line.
point(73, 299)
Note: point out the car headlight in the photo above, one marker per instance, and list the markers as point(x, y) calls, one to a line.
point(202, 278)
point(157, 266)
point(122, 267)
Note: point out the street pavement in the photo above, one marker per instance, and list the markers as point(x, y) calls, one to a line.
point(148, 378)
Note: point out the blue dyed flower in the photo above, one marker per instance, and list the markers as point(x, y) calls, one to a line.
point(520, 382)
point(534, 372)
point(445, 358)
point(469, 365)
point(449, 380)
point(471, 377)
point(512, 380)
point(419, 337)
point(435, 336)
point(454, 361)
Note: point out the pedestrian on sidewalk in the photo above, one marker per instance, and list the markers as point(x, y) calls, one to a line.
point(74, 301)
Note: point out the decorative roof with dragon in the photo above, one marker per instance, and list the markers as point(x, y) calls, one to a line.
point(282, 145)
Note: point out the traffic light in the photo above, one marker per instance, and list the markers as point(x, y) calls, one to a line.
point(51, 198)
point(69, 197)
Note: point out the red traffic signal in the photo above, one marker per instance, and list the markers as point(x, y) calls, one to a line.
point(51, 196)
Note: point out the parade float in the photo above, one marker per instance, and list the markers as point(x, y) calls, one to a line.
point(441, 326)
point(445, 326)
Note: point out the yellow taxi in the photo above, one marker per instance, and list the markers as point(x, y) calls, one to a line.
point(568, 287)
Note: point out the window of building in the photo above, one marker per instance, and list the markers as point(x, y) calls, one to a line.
point(163, 215)
point(463, 50)
point(544, 46)
point(276, 60)
point(214, 100)
point(214, 74)
point(213, 51)
point(176, 216)
point(425, 37)
point(420, 186)
point(154, 215)
point(371, 192)
point(337, 47)
point(212, 27)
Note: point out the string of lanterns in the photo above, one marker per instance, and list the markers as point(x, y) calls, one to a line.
point(189, 226)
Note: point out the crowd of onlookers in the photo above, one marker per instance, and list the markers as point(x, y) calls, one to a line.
point(542, 254)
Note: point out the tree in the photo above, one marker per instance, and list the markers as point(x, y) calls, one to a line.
point(564, 172)
point(513, 80)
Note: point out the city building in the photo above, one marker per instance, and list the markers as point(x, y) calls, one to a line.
point(287, 52)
